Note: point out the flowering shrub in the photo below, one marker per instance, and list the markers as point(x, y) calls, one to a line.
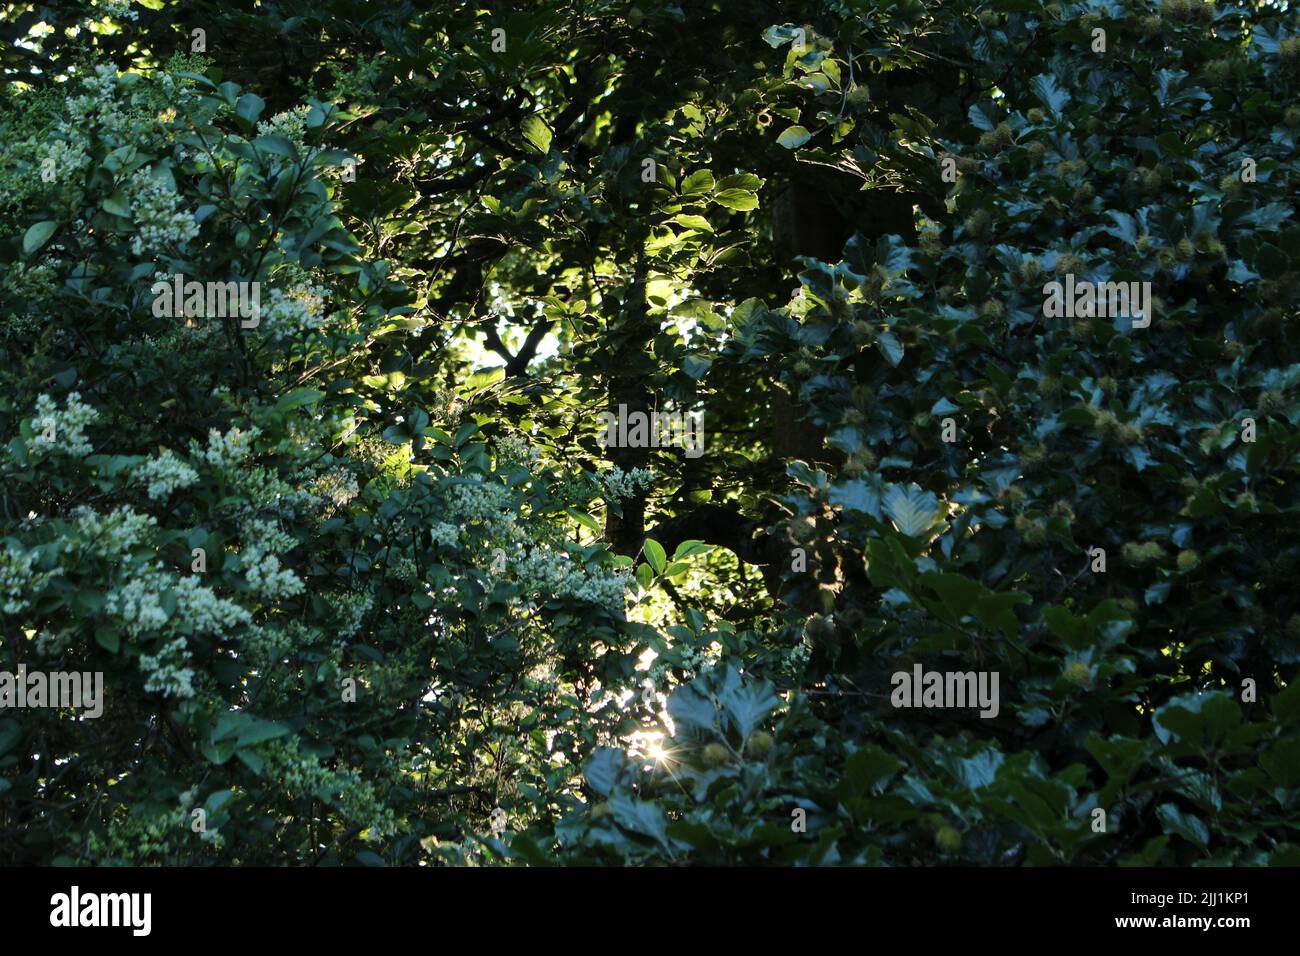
point(369, 581)
point(193, 509)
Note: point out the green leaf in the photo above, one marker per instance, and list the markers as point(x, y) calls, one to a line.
point(298, 398)
point(584, 519)
point(277, 145)
point(912, 509)
point(117, 204)
point(748, 705)
point(640, 816)
point(537, 133)
point(1286, 705)
point(1185, 825)
point(793, 137)
point(689, 707)
point(603, 769)
point(691, 547)
point(746, 181)
point(890, 348)
point(250, 107)
point(1049, 92)
point(698, 223)
point(698, 183)
point(957, 592)
point(37, 235)
point(108, 638)
point(864, 495)
point(10, 734)
point(739, 199)
point(866, 769)
point(259, 731)
point(778, 35)
point(655, 554)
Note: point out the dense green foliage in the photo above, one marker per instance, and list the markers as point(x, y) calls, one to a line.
point(362, 577)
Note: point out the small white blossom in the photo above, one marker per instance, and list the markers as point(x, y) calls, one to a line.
point(62, 431)
point(113, 533)
point(292, 125)
point(119, 9)
point(618, 484)
point(18, 582)
point(285, 314)
point(165, 474)
point(160, 222)
point(139, 605)
point(167, 672)
point(447, 535)
point(225, 450)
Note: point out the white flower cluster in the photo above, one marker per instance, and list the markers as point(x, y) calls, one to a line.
point(300, 773)
point(618, 484)
point(225, 450)
point(478, 501)
point(285, 314)
point(139, 604)
point(447, 535)
point(64, 157)
point(548, 573)
point(338, 487)
point(113, 533)
point(291, 124)
point(167, 672)
point(351, 610)
point(404, 570)
point(155, 206)
point(179, 91)
point(264, 574)
point(273, 583)
point(53, 644)
point(799, 655)
point(119, 9)
point(265, 537)
point(62, 431)
point(693, 661)
point(165, 474)
point(260, 488)
point(98, 108)
point(205, 613)
point(18, 582)
point(515, 449)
